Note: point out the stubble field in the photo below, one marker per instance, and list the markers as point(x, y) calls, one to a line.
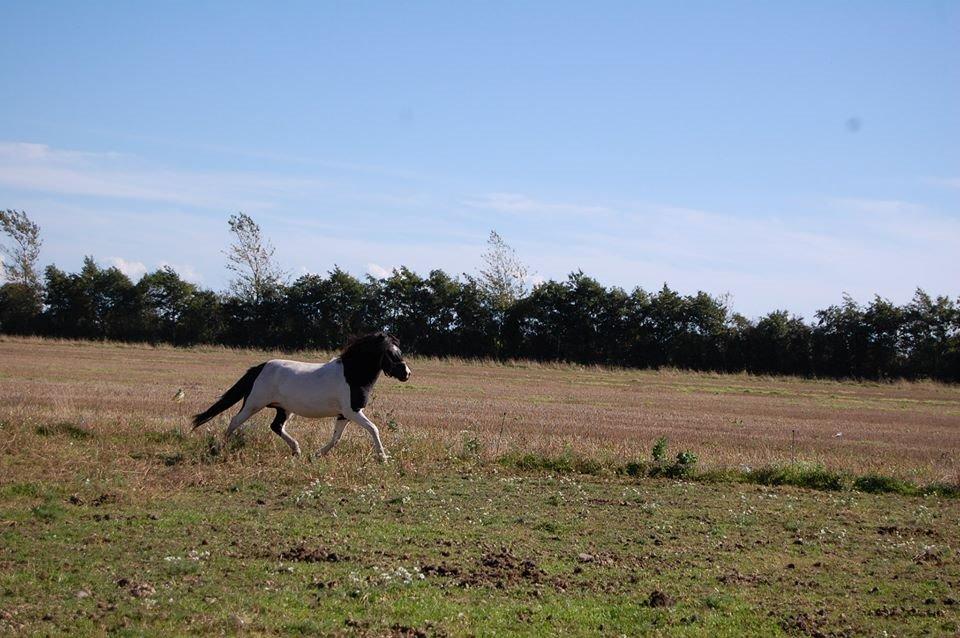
point(111, 521)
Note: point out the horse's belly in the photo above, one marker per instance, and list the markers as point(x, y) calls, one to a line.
point(315, 409)
point(318, 413)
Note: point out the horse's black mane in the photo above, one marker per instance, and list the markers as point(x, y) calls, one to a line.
point(362, 363)
point(365, 344)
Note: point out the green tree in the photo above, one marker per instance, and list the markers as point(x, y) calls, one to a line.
point(166, 299)
point(884, 324)
point(20, 308)
point(779, 344)
point(928, 325)
point(476, 324)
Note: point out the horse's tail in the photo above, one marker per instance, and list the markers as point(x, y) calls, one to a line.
point(239, 390)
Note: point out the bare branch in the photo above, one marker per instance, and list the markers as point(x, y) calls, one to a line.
point(20, 265)
point(505, 276)
point(250, 257)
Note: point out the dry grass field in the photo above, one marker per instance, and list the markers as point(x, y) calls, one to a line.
point(111, 522)
point(910, 430)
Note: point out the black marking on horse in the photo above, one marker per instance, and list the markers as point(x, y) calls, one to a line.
point(279, 420)
point(239, 390)
point(363, 361)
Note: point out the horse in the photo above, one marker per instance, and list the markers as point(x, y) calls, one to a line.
point(340, 388)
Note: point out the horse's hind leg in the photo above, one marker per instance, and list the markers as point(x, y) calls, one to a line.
point(245, 413)
point(278, 426)
point(338, 426)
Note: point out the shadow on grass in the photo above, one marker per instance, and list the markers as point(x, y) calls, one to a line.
point(67, 428)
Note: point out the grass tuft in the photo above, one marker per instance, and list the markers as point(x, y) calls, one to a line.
point(49, 510)
point(635, 468)
point(722, 475)
point(566, 463)
point(27, 490)
point(165, 436)
point(947, 490)
point(809, 475)
point(880, 484)
point(211, 449)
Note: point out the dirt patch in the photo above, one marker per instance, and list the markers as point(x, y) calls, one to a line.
point(658, 598)
point(603, 559)
point(893, 530)
point(896, 612)
point(137, 590)
point(929, 555)
point(736, 578)
point(803, 623)
point(402, 631)
point(444, 571)
point(304, 554)
point(105, 499)
point(500, 569)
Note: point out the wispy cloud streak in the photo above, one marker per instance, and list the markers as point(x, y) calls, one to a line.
point(37, 167)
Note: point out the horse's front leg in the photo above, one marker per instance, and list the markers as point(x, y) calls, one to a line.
point(358, 417)
point(337, 431)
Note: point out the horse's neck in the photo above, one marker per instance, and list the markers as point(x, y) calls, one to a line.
point(361, 371)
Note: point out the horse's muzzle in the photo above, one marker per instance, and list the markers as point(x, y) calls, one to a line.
point(401, 372)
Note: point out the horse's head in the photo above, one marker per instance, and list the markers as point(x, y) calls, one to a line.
point(392, 362)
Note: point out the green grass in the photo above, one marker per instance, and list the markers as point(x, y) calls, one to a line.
point(566, 463)
point(879, 484)
point(812, 476)
point(476, 553)
point(807, 475)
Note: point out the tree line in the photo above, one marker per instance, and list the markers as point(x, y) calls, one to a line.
point(491, 315)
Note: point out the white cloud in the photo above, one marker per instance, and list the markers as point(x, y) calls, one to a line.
point(132, 269)
point(897, 221)
point(515, 203)
point(38, 167)
point(31, 152)
point(876, 206)
point(378, 271)
point(186, 272)
point(946, 182)
point(800, 262)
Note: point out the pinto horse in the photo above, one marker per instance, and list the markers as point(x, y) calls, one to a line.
point(339, 388)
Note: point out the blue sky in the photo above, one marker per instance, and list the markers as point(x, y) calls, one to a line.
point(784, 154)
